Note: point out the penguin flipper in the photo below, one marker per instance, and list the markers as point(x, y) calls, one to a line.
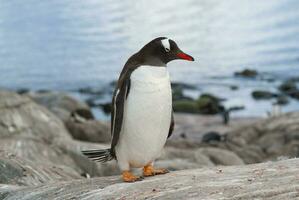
point(171, 125)
point(117, 113)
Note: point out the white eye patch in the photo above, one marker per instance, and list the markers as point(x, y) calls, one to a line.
point(165, 44)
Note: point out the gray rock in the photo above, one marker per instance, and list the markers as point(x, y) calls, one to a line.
point(176, 164)
point(73, 149)
point(271, 180)
point(177, 159)
point(19, 171)
point(267, 139)
point(247, 73)
point(89, 130)
point(62, 104)
point(221, 156)
point(22, 117)
point(261, 94)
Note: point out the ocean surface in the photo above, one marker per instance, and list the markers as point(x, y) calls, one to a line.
point(70, 44)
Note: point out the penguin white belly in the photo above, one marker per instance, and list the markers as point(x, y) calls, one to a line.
point(147, 117)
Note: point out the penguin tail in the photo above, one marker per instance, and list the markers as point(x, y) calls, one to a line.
point(100, 155)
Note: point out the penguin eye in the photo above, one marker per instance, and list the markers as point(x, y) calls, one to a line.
point(167, 49)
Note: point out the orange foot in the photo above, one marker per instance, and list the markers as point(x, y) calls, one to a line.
point(129, 177)
point(149, 170)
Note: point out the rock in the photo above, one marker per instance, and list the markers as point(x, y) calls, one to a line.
point(22, 117)
point(29, 131)
point(90, 91)
point(234, 87)
point(89, 130)
point(177, 159)
point(261, 94)
point(185, 106)
point(91, 102)
point(176, 164)
point(221, 156)
point(73, 149)
point(258, 181)
point(23, 90)
point(282, 100)
point(62, 104)
point(183, 86)
point(19, 171)
point(266, 139)
point(106, 107)
point(209, 104)
point(247, 73)
point(178, 91)
point(38, 152)
point(288, 87)
point(212, 137)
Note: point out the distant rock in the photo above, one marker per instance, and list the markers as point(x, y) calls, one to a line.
point(106, 107)
point(262, 94)
point(183, 86)
point(178, 91)
point(90, 91)
point(22, 90)
point(209, 104)
point(234, 87)
point(282, 100)
point(212, 136)
point(88, 130)
point(62, 104)
point(185, 106)
point(247, 73)
point(290, 88)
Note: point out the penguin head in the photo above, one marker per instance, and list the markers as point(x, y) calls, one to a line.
point(163, 50)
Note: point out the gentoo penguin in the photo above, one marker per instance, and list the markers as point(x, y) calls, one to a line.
point(142, 116)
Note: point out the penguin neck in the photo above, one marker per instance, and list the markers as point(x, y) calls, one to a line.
point(153, 61)
point(148, 73)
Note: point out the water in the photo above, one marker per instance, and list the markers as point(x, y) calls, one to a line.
point(67, 44)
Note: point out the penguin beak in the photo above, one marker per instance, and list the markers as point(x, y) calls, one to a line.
point(184, 56)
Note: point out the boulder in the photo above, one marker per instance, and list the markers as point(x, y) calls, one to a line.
point(178, 90)
point(282, 100)
point(267, 139)
point(89, 130)
point(90, 91)
point(221, 156)
point(185, 106)
point(234, 87)
point(270, 180)
point(62, 104)
point(192, 157)
point(261, 94)
point(22, 117)
point(16, 170)
point(288, 87)
point(247, 73)
point(106, 107)
point(209, 104)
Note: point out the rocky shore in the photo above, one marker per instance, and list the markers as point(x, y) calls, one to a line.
point(43, 133)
